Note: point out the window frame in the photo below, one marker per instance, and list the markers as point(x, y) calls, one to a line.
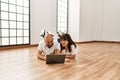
point(67, 17)
point(23, 29)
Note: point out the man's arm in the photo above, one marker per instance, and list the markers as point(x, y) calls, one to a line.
point(40, 56)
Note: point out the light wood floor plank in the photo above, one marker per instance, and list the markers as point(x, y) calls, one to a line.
point(94, 61)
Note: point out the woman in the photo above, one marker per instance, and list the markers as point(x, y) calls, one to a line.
point(67, 46)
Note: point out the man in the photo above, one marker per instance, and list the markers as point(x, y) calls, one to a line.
point(47, 46)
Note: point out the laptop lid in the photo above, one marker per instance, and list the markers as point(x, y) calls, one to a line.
point(52, 59)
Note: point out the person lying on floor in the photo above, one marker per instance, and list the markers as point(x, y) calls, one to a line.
point(47, 47)
point(67, 46)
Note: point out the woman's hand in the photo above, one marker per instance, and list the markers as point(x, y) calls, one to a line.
point(67, 60)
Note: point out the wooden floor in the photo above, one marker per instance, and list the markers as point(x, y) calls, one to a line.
point(94, 61)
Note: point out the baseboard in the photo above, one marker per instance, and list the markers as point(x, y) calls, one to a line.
point(35, 45)
point(15, 47)
point(84, 42)
point(98, 41)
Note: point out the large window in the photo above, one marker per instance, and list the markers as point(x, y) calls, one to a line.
point(14, 22)
point(62, 16)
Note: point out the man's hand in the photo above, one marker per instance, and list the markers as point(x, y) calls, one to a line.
point(40, 55)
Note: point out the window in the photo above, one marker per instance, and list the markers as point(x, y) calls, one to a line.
point(62, 16)
point(14, 22)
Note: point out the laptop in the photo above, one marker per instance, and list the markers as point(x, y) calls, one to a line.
point(55, 59)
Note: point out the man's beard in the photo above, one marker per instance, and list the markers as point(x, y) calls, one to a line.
point(49, 46)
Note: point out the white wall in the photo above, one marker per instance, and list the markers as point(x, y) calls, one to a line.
point(87, 19)
point(111, 20)
point(74, 19)
point(98, 36)
point(43, 15)
point(100, 20)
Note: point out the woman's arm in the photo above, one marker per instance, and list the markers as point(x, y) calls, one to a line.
point(73, 53)
point(70, 56)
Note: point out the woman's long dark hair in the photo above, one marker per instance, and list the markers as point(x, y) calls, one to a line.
point(68, 38)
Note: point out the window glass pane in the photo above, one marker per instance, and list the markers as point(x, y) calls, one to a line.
point(4, 24)
point(5, 41)
point(12, 16)
point(12, 8)
point(12, 32)
point(26, 3)
point(64, 15)
point(4, 32)
point(26, 18)
point(19, 9)
point(19, 25)
point(0, 41)
point(0, 33)
point(65, 19)
point(20, 2)
point(4, 1)
point(12, 24)
point(19, 40)
point(12, 1)
point(26, 32)
point(26, 25)
point(4, 15)
point(12, 41)
point(19, 32)
point(4, 6)
point(26, 40)
point(65, 1)
point(19, 17)
point(26, 10)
